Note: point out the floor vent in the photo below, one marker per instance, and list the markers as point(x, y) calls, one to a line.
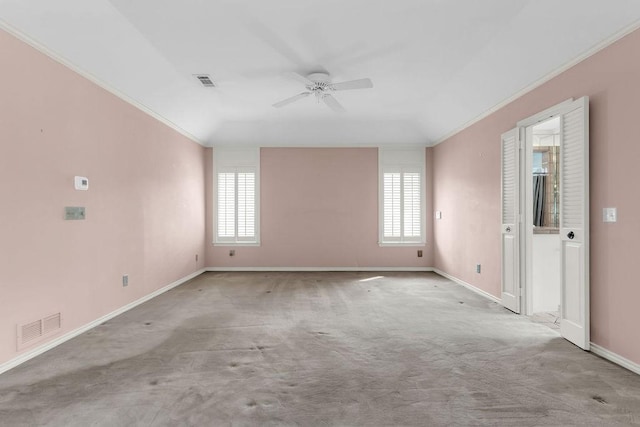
point(205, 79)
point(32, 332)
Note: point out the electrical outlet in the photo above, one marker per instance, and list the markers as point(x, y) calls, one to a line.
point(478, 268)
point(609, 215)
point(125, 280)
point(419, 253)
point(232, 252)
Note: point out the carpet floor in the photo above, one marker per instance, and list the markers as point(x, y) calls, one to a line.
point(319, 349)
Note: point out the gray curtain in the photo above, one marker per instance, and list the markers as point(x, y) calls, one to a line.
point(538, 199)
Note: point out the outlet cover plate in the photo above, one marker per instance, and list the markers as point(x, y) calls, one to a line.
point(74, 213)
point(609, 214)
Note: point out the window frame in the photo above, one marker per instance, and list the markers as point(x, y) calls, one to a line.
point(236, 161)
point(403, 161)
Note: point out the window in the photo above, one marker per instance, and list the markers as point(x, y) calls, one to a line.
point(237, 195)
point(402, 197)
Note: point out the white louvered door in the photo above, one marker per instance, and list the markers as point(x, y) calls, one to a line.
point(574, 222)
point(510, 221)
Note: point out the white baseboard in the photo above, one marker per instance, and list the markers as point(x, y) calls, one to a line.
point(468, 286)
point(594, 348)
point(69, 335)
point(231, 269)
point(615, 358)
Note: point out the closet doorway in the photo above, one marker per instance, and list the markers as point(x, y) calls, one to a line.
point(545, 217)
point(542, 221)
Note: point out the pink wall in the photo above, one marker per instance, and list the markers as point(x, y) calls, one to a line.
point(145, 205)
point(319, 208)
point(467, 190)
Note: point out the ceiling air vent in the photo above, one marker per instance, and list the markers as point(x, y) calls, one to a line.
point(205, 80)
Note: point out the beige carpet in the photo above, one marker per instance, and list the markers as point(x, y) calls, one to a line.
point(319, 349)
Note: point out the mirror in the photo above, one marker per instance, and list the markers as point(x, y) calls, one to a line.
point(546, 190)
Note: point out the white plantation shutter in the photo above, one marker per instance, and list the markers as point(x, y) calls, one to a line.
point(391, 204)
point(402, 205)
point(246, 205)
point(411, 209)
point(226, 204)
point(237, 199)
point(236, 206)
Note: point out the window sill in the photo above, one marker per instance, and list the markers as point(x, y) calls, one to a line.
point(236, 243)
point(401, 244)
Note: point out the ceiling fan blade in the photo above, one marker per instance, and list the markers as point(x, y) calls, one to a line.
point(305, 81)
point(333, 104)
point(292, 99)
point(353, 84)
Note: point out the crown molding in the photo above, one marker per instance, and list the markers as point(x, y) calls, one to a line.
point(592, 51)
point(93, 79)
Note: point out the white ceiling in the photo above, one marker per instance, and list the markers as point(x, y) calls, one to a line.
point(435, 64)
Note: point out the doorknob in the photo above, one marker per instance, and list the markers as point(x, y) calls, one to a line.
point(508, 230)
point(571, 235)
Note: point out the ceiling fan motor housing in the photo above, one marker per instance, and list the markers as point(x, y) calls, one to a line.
point(319, 77)
point(319, 84)
point(322, 84)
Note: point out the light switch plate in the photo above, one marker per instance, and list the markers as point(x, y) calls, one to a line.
point(438, 214)
point(81, 183)
point(609, 214)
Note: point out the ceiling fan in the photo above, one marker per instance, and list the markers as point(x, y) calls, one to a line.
point(319, 84)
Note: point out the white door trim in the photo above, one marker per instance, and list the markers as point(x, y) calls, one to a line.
point(527, 226)
point(547, 114)
point(576, 331)
point(526, 258)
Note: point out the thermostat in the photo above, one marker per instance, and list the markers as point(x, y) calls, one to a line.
point(81, 183)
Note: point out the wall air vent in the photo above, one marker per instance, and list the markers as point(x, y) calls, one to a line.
point(205, 80)
point(32, 332)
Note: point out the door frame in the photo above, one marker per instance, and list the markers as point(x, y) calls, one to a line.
point(574, 223)
point(526, 200)
point(527, 225)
